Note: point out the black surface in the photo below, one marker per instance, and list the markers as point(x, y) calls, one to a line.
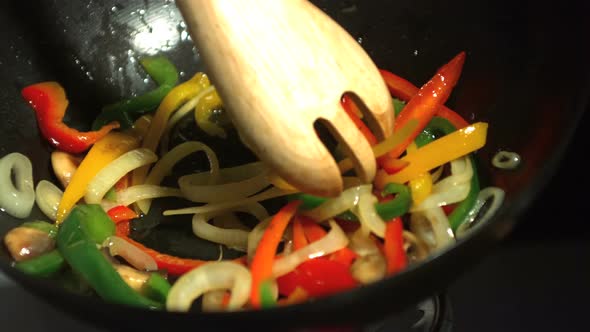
point(526, 74)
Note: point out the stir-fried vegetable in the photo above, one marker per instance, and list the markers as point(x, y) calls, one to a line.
point(127, 111)
point(86, 227)
point(48, 99)
point(425, 195)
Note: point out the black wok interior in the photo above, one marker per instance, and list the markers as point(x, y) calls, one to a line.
point(526, 74)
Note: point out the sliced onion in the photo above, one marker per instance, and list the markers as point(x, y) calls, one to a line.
point(362, 244)
point(370, 268)
point(234, 183)
point(416, 249)
point(48, 196)
point(224, 206)
point(213, 300)
point(497, 195)
point(365, 210)
point(506, 160)
point(437, 173)
point(432, 227)
point(179, 114)
point(17, 198)
point(452, 189)
point(107, 177)
point(133, 194)
point(64, 166)
point(164, 166)
point(232, 238)
point(335, 240)
point(335, 206)
point(229, 220)
point(209, 277)
point(133, 255)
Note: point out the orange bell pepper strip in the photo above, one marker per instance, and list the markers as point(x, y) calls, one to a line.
point(101, 154)
point(261, 267)
point(49, 101)
point(299, 239)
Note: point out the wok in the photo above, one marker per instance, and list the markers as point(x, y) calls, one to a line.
point(526, 74)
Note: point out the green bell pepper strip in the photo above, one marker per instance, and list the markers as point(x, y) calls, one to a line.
point(111, 195)
point(386, 210)
point(127, 111)
point(43, 226)
point(267, 300)
point(398, 106)
point(86, 227)
point(157, 288)
point(441, 126)
point(43, 266)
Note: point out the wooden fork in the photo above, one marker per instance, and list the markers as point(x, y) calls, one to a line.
point(281, 65)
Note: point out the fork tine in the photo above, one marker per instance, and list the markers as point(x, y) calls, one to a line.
point(355, 144)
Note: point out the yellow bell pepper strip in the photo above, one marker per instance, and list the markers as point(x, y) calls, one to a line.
point(101, 154)
point(421, 186)
point(140, 127)
point(261, 267)
point(439, 152)
point(204, 111)
point(174, 99)
point(438, 126)
point(49, 101)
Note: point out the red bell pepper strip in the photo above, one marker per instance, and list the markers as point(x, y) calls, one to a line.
point(352, 110)
point(393, 247)
point(318, 277)
point(314, 232)
point(175, 266)
point(404, 90)
point(121, 213)
point(424, 104)
point(392, 165)
point(262, 262)
point(49, 101)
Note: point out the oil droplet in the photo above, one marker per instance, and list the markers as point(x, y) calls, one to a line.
point(182, 74)
point(146, 80)
point(184, 35)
